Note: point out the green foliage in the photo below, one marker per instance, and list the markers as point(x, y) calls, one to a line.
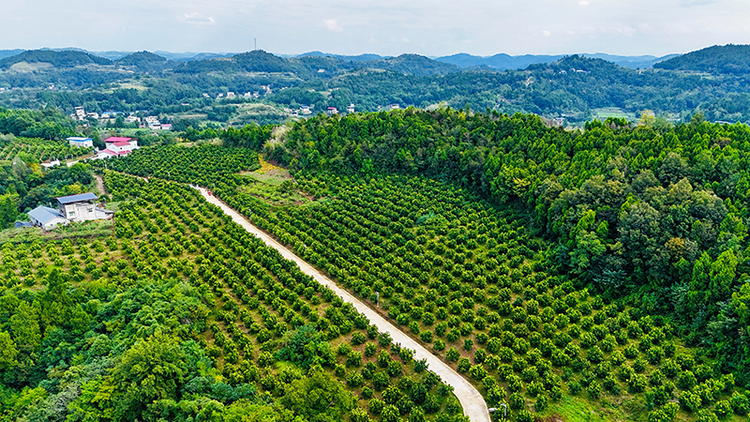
point(727, 59)
point(318, 397)
point(220, 327)
point(205, 165)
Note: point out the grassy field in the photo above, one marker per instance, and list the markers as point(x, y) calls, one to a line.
point(605, 112)
point(275, 186)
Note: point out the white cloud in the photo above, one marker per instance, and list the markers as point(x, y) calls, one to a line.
point(404, 39)
point(546, 33)
point(196, 19)
point(332, 25)
point(583, 3)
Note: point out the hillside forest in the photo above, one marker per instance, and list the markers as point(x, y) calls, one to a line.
point(268, 89)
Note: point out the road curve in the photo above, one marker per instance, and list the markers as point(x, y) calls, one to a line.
point(473, 403)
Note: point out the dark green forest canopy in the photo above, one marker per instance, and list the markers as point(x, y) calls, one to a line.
point(656, 217)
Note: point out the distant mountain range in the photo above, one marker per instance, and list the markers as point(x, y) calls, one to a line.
point(507, 62)
point(725, 59)
point(462, 60)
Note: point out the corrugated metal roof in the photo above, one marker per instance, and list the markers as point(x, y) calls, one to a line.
point(44, 214)
point(76, 198)
point(78, 139)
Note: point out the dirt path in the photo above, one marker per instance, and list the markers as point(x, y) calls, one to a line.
point(473, 403)
point(100, 184)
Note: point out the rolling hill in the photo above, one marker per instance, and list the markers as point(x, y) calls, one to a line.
point(507, 62)
point(58, 59)
point(146, 61)
point(728, 59)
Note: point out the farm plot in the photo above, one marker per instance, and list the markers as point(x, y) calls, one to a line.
point(254, 331)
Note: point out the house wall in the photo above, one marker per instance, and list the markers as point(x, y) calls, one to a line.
point(79, 211)
point(86, 144)
point(57, 221)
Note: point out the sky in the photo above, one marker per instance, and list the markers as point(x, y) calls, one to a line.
point(386, 27)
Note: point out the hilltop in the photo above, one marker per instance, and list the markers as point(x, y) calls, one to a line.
point(59, 59)
point(146, 61)
point(728, 59)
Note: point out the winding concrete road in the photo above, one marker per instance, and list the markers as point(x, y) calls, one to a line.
point(473, 403)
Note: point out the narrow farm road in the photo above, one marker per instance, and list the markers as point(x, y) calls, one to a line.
point(473, 403)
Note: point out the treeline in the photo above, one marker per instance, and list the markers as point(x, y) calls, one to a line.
point(46, 123)
point(653, 217)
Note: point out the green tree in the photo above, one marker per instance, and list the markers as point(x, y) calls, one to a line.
point(318, 397)
point(8, 351)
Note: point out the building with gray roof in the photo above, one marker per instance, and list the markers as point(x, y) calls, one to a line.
point(47, 218)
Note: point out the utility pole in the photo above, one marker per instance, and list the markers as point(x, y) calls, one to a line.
point(255, 40)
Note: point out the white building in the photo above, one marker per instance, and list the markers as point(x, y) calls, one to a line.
point(47, 218)
point(117, 146)
point(80, 113)
point(75, 141)
point(79, 207)
point(72, 208)
point(350, 108)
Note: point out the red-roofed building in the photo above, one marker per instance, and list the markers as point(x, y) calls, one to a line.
point(117, 146)
point(116, 139)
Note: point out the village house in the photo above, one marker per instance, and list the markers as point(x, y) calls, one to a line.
point(117, 146)
point(75, 141)
point(47, 218)
point(81, 207)
point(72, 208)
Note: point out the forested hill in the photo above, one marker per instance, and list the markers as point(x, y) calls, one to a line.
point(412, 64)
point(574, 88)
point(655, 218)
point(146, 61)
point(63, 59)
point(728, 59)
point(308, 66)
